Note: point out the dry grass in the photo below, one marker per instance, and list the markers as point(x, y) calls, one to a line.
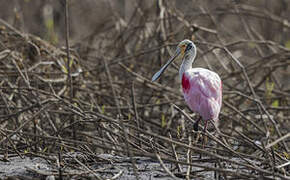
point(113, 107)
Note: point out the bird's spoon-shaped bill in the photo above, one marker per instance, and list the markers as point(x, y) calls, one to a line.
point(159, 73)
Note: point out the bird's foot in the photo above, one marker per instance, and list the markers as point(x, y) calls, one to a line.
point(204, 141)
point(197, 137)
point(195, 125)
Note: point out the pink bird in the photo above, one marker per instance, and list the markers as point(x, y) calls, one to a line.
point(202, 88)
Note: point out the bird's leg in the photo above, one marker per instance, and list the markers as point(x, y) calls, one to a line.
point(204, 136)
point(195, 125)
point(205, 126)
point(195, 128)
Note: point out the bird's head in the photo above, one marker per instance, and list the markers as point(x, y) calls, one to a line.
point(186, 49)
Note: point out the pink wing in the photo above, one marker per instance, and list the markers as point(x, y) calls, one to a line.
point(202, 90)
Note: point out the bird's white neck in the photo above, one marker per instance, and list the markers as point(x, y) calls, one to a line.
point(186, 63)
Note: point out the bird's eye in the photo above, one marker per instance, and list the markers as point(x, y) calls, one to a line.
point(189, 46)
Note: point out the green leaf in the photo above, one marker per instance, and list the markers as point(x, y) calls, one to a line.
point(163, 121)
point(251, 45)
point(158, 101)
point(275, 103)
point(103, 109)
point(49, 24)
point(179, 128)
point(44, 150)
point(269, 88)
point(286, 155)
point(64, 69)
point(287, 44)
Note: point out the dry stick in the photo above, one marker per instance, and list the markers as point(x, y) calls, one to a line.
point(226, 146)
point(11, 143)
point(69, 77)
point(135, 110)
point(254, 12)
point(179, 16)
point(262, 149)
point(247, 29)
point(59, 165)
point(260, 105)
point(53, 126)
point(206, 167)
point(279, 58)
point(283, 165)
point(53, 139)
point(27, 81)
point(11, 28)
point(112, 87)
point(278, 140)
point(275, 51)
point(150, 84)
point(117, 175)
point(280, 108)
point(87, 168)
point(243, 68)
point(121, 120)
point(162, 163)
point(134, 136)
point(138, 106)
point(184, 113)
point(118, 60)
point(275, 125)
point(111, 141)
point(219, 38)
point(78, 142)
point(6, 117)
point(188, 158)
point(199, 150)
point(175, 153)
point(258, 12)
point(261, 38)
point(73, 173)
point(260, 52)
point(26, 122)
point(161, 34)
point(229, 149)
point(127, 25)
point(245, 138)
point(35, 124)
point(170, 160)
point(164, 167)
point(105, 117)
point(111, 138)
point(20, 72)
point(242, 41)
point(243, 116)
point(249, 34)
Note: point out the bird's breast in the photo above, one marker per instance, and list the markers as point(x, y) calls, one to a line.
point(185, 83)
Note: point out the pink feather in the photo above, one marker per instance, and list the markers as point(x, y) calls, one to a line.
point(202, 91)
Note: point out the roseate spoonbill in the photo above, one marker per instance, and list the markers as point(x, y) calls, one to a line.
point(202, 88)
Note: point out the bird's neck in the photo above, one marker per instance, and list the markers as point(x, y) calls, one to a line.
point(186, 63)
